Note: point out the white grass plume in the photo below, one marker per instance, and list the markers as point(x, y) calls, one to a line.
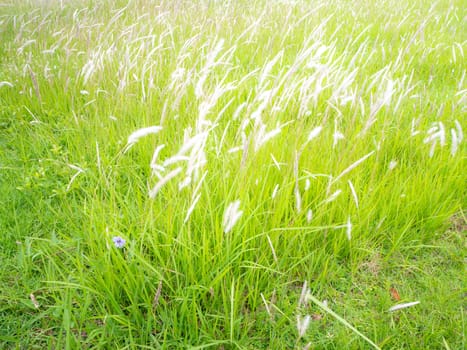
point(195, 197)
point(153, 192)
point(272, 249)
point(457, 136)
point(135, 136)
point(5, 83)
point(349, 229)
point(191, 208)
point(303, 324)
point(307, 185)
point(336, 137)
point(354, 193)
point(264, 137)
point(309, 216)
point(332, 197)
point(392, 164)
point(210, 62)
point(274, 192)
point(302, 301)
point(314, 133)
point(403, 306)
point(435, 134)
point(155, 155)
point(266, 305)
point(353, 166)
point(231, 216)
point(413, 130)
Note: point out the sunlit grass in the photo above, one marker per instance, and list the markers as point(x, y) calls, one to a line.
point(173, 172)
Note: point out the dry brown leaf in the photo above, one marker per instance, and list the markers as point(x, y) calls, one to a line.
point(316, 317)
point(394, 294)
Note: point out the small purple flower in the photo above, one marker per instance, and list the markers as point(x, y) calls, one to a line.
point(118, 241)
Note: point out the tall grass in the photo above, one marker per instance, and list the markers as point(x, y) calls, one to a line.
point(236, 149)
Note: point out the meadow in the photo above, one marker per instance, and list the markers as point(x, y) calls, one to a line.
point(233, 174)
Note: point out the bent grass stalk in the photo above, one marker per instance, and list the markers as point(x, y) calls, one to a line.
point(342, 320)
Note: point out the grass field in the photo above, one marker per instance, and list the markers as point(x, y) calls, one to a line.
point(233, 174)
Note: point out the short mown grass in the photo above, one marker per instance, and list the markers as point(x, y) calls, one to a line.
point(279, 173)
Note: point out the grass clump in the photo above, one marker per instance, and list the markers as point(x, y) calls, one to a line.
point(209, 174)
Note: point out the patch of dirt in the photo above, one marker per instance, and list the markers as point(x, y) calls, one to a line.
point(459, 222)
point(373, 265)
